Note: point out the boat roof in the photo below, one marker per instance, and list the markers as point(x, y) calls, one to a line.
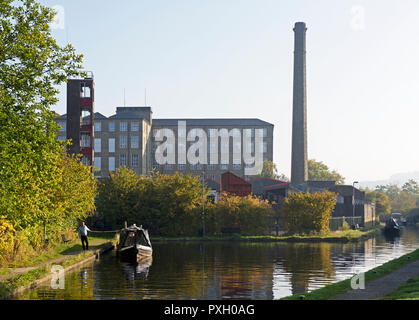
point(134, 228)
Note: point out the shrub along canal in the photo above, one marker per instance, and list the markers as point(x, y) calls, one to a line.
point(228, 270)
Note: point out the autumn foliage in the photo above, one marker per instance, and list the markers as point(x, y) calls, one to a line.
point(171, 205)
point(249, 214)
point(42, 191)
point(306, 213)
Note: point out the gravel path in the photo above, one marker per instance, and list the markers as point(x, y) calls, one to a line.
point(378, 288)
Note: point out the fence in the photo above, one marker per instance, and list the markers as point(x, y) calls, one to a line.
point(336, 223)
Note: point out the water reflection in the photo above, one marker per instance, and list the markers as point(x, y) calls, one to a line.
point(307, 261)
point(391, 238)
point(228, 270)
point(137, 271)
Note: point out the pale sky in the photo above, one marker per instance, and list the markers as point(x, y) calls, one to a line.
point(234, 59)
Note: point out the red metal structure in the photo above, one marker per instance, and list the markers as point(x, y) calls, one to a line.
point(80, 117)
point(232, 184)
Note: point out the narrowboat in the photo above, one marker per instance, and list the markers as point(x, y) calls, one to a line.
point(134, 244)
point(392, 227)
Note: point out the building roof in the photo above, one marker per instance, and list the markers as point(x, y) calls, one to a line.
point(125, 115)
point(341, 190)
point(259, 185)
point(348, 191)
point(239, 122)
point(97, 116)
point(304, 188)
point(277, 186)
point(321, 184)
point(212, 184)
point(133, 109)
point(132, 113)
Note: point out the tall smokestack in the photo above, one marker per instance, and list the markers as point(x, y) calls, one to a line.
point(299, 163)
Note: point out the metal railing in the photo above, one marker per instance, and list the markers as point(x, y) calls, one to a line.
point(337, 222)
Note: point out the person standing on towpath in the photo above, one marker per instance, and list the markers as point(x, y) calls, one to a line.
point(83, 235)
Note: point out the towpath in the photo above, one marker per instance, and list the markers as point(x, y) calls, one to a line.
point(380, 287)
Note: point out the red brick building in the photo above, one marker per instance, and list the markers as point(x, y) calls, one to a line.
point(235, 185)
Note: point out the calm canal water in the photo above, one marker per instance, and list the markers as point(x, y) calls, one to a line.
point(219, 270)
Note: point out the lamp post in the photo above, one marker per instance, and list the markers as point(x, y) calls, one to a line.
point(375, 206)
point(353, 204)
point(203, 204)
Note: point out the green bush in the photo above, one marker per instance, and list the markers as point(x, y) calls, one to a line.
point(7, 236)
point(164, 204)
point(306, 213)
point(345, 226)
point(251, 215)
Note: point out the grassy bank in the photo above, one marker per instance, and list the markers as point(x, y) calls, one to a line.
point(54, 251)
point(341, 287)
point(10, 284)
point(338, 236)
point(66, 255)
point(407, 291)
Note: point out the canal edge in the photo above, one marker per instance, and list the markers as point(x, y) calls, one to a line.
point(93, 257)
point(292, 239)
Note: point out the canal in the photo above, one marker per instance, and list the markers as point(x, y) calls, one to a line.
point(221, 270)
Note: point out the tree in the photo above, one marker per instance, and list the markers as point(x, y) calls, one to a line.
point(401, 199)
point(171, 205)
point(165, 204)
point(305, 213)
point(74, 199)
point(282, 177)
point(6, 240)
point(32, 65)
point(381, 200)
point(318, 171)
point(39, 184)
point(404, 201)
point(391, 190)
point(270, 170)
point(411, 187)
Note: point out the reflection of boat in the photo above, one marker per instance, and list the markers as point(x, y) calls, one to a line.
point(392, 227)
point(392, 238)
point(138, 270)
point(134, 244)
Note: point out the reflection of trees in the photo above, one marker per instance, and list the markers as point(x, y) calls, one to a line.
point(216, 270)
point(249, 271)
point(301, 259)
point(346, 255)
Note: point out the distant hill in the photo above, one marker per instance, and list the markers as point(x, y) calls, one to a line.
point(399, 179)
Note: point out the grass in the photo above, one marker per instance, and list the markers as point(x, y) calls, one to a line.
point(341, 287)
point(41, 256)
point(407, 291)
point(7, 286)
point(4, 271)
point(58, 250)
point(83, 255)
point(338, 236)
